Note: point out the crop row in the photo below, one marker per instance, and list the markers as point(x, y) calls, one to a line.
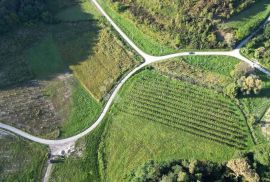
point(195, 92)
point(192, 120)
point(168, 89)
point(187, 128)
point(183, 110)
point(200, 104)
point(201, 92)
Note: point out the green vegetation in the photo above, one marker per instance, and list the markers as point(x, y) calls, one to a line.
point(60, 106)
point(248, 20)
point(182, 170)
point(258, 47)
point(83, 164)
point(18, 12)
point(20, 160)
point(146, 23)
point(78, 12)
point(44, 58)
point(210, 128)
point(84, 111)
point(222, 65)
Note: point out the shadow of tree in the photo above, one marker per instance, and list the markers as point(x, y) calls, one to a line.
point(257, 7)
point(33, 54)
point(43, 51)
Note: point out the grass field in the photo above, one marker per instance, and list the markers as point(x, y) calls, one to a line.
point(83, 112)
point(248, 20)
point(154, 113)
point(83, 165)
point(222, 65)
point(20, 160)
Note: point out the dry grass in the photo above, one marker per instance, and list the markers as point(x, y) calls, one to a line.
point(108, 62)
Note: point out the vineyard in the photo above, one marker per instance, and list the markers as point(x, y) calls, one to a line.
point(187, 108)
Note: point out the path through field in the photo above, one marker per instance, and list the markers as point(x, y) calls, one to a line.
point(63, 146)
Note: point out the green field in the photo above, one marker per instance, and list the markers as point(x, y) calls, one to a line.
point(83, 165)
point(186, 120)
point(20, 160)
point(84, 111)
point(222, 65)
point(248, 20)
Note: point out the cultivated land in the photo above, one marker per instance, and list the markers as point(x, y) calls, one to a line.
point(20, 160)
point(187, 120)
point(174, 109)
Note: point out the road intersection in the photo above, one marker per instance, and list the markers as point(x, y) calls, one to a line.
point(62, 146)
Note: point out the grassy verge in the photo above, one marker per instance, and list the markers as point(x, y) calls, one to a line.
point(84, 111)
point(222, 65)
point(145, 42)
point(83, 165)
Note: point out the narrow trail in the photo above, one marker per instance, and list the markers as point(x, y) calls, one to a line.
point(58, 146)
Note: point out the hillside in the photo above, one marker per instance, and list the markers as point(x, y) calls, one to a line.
point(161, 27)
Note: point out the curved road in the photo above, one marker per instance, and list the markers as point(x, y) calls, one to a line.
point(148, 60)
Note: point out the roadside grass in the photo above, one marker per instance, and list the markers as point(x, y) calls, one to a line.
point(222, 65)
point(20, 160)
point(83, 165)
point(84, 110)
point(142, 40)
point(249, 19)
point(101, 70)
point(135, 135)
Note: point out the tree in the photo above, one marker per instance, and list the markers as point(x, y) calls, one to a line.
point(259, 52)
point(231, 90)
point(242, 69)
point(182, 177)
point(241, 167)
point(249, 84)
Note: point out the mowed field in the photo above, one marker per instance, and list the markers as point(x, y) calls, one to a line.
point(162, 119)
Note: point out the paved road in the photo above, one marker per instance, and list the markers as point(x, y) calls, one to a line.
point(148, 60)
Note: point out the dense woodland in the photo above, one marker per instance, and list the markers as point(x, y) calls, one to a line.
point(17, 12)
point(246, 166)
point(190, 24)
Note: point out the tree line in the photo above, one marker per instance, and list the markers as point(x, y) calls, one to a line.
point(17, 12)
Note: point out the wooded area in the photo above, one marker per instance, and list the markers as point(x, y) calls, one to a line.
point(16, 12)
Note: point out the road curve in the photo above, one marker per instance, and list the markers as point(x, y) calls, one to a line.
point(148, 60)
